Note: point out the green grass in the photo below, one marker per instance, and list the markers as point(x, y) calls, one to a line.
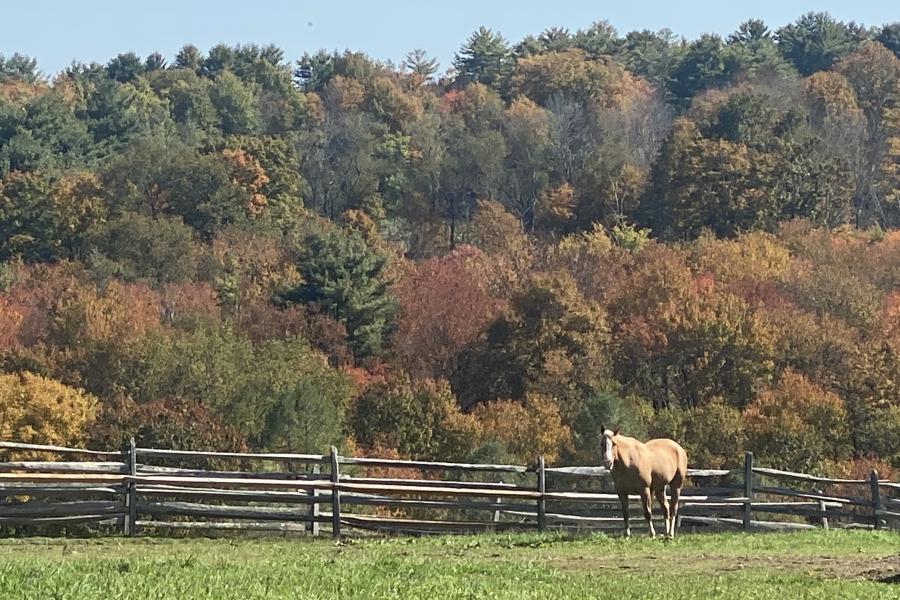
point(832, 565)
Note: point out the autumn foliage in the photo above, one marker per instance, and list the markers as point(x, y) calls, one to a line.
point(444, 305)
point(166, 423)
point(36, 410)
point(238, 249)
point(527, 429)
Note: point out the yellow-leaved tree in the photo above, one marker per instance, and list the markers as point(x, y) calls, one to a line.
point(37, 410)
point(526, 429)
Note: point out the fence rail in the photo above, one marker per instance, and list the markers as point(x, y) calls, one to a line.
point(305, 493)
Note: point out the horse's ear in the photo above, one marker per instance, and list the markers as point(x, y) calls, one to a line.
point(602, 429)
point(616, 431)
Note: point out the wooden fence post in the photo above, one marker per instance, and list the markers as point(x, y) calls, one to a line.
point(748, 488)
point(313, 528)
point(823, 508)
point(542, 489)
point(876, 497)
point(123, 522)
point(496, 514)
point(130, 521)
point(335, 495)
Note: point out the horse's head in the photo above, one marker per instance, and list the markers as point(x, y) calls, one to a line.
point(610, 452)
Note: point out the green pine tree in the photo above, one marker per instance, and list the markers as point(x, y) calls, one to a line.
point(346, 280)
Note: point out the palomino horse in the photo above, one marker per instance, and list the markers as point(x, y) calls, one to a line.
point(645, 468)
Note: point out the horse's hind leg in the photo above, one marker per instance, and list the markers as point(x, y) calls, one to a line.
point(676, 493)
point(648, 513)
point(664, 504)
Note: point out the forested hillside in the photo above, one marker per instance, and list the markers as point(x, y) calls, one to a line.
point(694, 238)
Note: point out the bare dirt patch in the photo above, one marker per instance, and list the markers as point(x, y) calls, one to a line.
point(881, 569)
point(843, 567)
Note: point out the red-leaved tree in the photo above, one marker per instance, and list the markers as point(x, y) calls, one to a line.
point(444, 305)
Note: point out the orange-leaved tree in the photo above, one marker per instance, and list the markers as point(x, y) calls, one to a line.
point(681, 340)
point(797, 425)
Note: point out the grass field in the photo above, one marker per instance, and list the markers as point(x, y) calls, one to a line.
point(825, 564)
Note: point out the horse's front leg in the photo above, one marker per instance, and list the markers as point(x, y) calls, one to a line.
point(648, 514)
point(623, 500)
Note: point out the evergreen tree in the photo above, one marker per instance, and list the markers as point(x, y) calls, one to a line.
point(484, 58)
point(702, 67)
point(346, 280)
point(815, 41)
point(889, 37)
point(189, 57)
point(125, 67)
point(418, 63)
point(18, 66)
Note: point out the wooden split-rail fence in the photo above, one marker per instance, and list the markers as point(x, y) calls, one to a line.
point(150, 490)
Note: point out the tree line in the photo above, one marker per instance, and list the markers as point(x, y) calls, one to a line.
point(693, 238)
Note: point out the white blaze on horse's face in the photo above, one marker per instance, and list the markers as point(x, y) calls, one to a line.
point(608, 457)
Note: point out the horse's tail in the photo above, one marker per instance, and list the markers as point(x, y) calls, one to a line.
point(681, 471)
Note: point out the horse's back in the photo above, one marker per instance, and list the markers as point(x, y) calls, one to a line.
point(669, 461)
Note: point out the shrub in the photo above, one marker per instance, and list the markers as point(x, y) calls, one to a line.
point(528, 429)
point(37, 410)
point(168, 423)
point(420, 419)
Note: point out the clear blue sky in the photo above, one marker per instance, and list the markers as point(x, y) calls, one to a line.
point(95, 30)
